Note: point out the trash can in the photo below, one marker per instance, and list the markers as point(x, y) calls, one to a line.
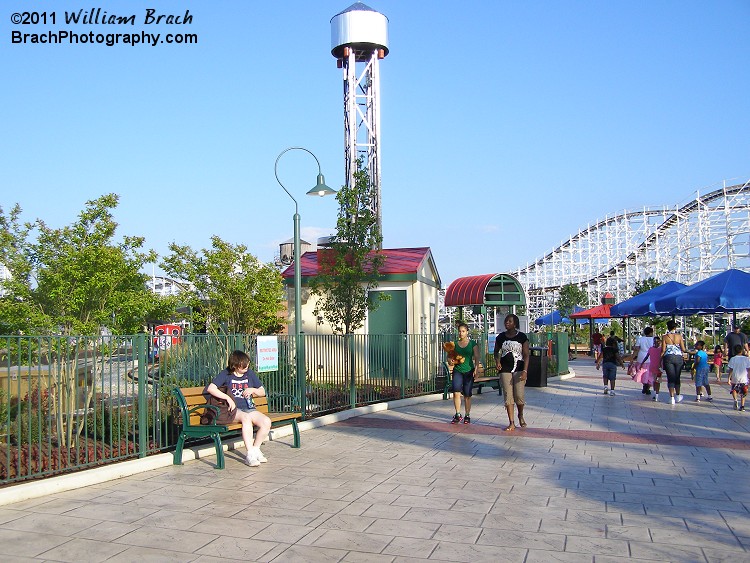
point(537, 371)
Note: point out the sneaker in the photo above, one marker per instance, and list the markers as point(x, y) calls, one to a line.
point(656, 398)
point(679, 398)
point(736, 405)
point(709, 398)
point(672, 401)
point(456, 419)
point(742, 408)
point(606, 390)
point(611, 392)
point(251, 460)
point(697, 398)
point(259, 455)
point(467, 419)
point(648, 392)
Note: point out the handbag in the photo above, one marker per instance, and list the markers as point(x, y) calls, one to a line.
point(209, 415)
point(632, 370)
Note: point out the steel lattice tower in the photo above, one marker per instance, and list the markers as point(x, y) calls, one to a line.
point(359, 39)
point(687, 242)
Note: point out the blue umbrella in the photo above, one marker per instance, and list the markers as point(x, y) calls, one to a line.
point(638, 305)
point(555, 318)
point(726, 292)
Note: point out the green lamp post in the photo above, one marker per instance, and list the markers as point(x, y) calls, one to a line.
point(321, 190)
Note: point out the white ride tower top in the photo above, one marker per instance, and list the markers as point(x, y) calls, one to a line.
point(359, 36)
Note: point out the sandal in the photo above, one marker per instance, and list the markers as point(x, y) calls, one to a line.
point(522, 422)
point(510, 428)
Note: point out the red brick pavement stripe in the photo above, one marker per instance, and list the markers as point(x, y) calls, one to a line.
point(547, 433)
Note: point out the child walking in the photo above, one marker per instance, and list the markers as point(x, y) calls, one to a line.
point(608, 361)
point(739, 366)
point(718, 360)
point(654, 366)
point(701, 371)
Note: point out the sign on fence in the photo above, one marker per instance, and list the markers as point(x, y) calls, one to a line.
point(268, 353)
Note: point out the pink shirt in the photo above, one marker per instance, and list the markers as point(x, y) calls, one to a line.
point(654, 360)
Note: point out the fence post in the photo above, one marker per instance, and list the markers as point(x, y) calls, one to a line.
point(140, 346)
point(349, 339)
point(302, 377)
point(402, 362)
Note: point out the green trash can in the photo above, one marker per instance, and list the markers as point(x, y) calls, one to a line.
point(536, 375)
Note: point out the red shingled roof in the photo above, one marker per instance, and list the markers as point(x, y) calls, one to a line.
point(397, 261)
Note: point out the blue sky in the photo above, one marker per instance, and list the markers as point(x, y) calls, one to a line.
point(506, 126)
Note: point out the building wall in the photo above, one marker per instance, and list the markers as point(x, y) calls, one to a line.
point(419, 297)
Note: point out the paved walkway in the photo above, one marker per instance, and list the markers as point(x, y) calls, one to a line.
point(593, 478)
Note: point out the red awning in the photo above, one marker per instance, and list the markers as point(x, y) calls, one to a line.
point(467, 291)
point(598, 312)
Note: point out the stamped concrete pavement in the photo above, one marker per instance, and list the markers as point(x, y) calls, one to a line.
point(593, 478)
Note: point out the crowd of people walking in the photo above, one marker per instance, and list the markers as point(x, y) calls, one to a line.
point(656, 360)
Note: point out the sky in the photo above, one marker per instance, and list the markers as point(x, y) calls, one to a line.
point(505, 125)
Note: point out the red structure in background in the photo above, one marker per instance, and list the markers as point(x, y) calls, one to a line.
point(165, 336)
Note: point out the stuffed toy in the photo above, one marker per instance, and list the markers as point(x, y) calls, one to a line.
point(453, 358)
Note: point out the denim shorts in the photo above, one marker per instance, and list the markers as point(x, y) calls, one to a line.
point(463, 382)
point(609, 371)
point(701, 377)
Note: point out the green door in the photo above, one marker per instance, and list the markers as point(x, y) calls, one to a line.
point(385, 327)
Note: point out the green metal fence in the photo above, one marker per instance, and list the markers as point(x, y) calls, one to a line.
point(72, 403)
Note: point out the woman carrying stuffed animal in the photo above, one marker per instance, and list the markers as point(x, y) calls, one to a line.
point(512, 361)
point(463, 373)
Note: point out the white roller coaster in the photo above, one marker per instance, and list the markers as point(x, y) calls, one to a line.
point(687, 243)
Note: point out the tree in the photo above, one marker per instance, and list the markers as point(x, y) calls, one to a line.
point(228, 285)
point(76, 279)
point(570, 297)
point(642, 286)
point(350, 268)
point(72, 281)
point(659, 324)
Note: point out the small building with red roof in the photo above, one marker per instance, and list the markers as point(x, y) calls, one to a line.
point(409, 277)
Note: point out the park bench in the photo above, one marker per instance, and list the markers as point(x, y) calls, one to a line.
point(192, 404)
point(487, 380)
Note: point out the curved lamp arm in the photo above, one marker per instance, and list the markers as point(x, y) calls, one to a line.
point(320, 187)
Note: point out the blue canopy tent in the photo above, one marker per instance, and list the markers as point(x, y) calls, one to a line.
point(555, 318)
point(638, 305)
point(727, 292)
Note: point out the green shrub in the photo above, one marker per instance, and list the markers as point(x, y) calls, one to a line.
point(109, 426)
point(29, 428)
point(4, 416)
point(31, 420)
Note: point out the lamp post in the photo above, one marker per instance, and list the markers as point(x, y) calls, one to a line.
point(321, 190)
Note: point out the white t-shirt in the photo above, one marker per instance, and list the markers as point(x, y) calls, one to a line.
point(643, 344)
point(739, 366)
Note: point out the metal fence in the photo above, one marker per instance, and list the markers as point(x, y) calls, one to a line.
point(72, 403)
